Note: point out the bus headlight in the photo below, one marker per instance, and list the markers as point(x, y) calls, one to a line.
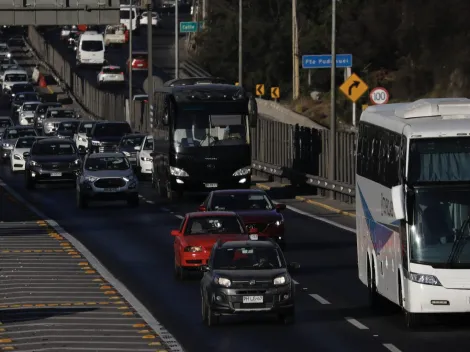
point(424, 279)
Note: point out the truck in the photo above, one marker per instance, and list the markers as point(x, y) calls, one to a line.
point(116, 34)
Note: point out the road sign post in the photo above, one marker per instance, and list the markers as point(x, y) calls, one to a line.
point(275, 93)
point(379, 96)
point(259, 90)
point(353, 88)
point(188, 27)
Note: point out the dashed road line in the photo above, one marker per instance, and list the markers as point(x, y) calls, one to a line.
point(356, 323)
point(295, 282)
point(391, 348)
point(179, 216)
point(319, 298)
point(150, 201)
point(165, 209)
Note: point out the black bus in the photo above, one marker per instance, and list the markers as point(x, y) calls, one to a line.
point(202, 138)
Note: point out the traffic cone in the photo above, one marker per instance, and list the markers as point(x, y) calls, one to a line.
point(42, 82)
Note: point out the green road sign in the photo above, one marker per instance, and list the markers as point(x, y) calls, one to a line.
point(188, 27)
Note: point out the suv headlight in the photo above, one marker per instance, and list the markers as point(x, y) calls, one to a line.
point(174, 171)
point(7, 145)
point(96, 143)
point(91, 178)
point(243, 171)
point(193, 249)
point(424, 279)
point(280, 280)
point(77, 162)
point(126, 153)
point(278, 222)
point(81, 139)
point(17, 157)
point(34, 163)
point(128, 178)
point(222, 281)
point(143, 158)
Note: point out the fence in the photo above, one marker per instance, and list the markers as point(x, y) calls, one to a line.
point(280, 150)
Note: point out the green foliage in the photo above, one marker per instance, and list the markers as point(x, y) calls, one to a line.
point(413, 48)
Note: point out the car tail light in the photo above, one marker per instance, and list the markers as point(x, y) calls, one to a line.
point(121, 73)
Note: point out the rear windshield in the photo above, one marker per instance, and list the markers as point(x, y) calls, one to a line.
point(86, 127)
point(15, 77)
point(26, 96)
point(131, 141)
point(112, 130)
point(139, 56)
point(22, 88)
point(30, 107)
point(54, 148)
point(59, 114)
point(112, 70)
point(5, 123)
point(92, 45)
point(107, 163)
point(13, 134)
point(25, 142)
point(68, 126)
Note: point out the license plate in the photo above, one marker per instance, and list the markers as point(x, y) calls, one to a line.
point(140, 65)
point(110, 190)
point(56, 174)
point(252, 299)
point(211, 185)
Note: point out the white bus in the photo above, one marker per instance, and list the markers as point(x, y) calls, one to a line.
point(413, 205)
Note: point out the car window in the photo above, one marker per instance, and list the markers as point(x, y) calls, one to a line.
point(92, 45)
point(248, 258)
point(54, 148)
point(107, 163)
point(131, 141)
point(13, 134)
point(116, 70)
point(25, 143)
point(241, 201)
point(206, 225)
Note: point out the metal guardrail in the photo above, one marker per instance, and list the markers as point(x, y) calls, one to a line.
point(192, 68)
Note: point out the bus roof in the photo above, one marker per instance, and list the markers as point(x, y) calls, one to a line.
point(424, 118)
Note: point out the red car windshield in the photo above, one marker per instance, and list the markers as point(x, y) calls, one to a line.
point(208, 225)
point(241, 201)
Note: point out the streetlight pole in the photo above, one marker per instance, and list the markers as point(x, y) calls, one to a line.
point(332, 161)
point(129, 67)
point(177, 48)
point(240, 43)
point(295, 53)
point(150, 63)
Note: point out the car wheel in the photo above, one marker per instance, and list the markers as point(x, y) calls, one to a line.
point(133, 200)
point(82, 201)
point(30, 183)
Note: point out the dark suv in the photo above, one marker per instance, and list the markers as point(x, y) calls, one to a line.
point(51, 160)
point(105, 136)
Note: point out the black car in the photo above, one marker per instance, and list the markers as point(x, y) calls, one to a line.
point(21, 87)
point(19, 99)
point(247, 277)
point(128, 145)
point(5, 122)
point(51, 160)
point(67, 129)
point(40, 113)
point(105, 136)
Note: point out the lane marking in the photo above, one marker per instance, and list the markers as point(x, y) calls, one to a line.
point(144, 313)
point(150, 201)
point(319, 298)
point(356, 323)
point(295, 282)
point(391, 348)
point(179, 216)
point(165, 209)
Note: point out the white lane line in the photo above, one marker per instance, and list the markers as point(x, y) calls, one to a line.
point(319, 218)
point(179, 216)
point(164, 209)
point(356, 323)
point(141, 196)
point(319, 298)
point(150, 201)
point(391, 348)
point(163, 333)
point(295, 282)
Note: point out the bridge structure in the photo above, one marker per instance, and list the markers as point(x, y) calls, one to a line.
point(58, 12)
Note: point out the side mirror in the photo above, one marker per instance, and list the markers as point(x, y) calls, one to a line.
point(153, 154)
point(137, 148)
point(26, 154)
point(280, 207)
point(253, 111)
point(175, 233)
point(398, 201)
point(204, 268)
point(294, 266)
point(202, 208)
point(253, 231)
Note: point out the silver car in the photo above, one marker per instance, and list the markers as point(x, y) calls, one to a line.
point(107, 177)
point(26, 112)
point(54, 117)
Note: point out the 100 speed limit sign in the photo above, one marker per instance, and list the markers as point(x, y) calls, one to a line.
point(379, 96)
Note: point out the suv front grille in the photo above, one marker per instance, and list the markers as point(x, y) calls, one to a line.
point(58, 166)
point(107, 147)
point(110, 183)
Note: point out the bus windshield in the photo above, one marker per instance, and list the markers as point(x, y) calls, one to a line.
point(200, 129)
point(441, 214)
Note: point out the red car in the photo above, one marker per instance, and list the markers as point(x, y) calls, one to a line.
point(197, 235)
point(139, 61)
point(255, 208)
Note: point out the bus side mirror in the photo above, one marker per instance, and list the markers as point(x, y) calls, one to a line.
point(398, 202)
point(253, 111)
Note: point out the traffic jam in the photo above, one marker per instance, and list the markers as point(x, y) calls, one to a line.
point(235, 239)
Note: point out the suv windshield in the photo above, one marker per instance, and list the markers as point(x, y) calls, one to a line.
point(92, 45)
point(68, 126)
point(13, 134)
point(85, 127)
point(15, 77)
point(241, 201)
point(18, 88)
point(131, 141)
point(206, 225)
point(25, 142)
point(54, 148)
point(107, 163)
point(112, 130)
point(26, 96)
point(248, 258)
point(30, 107)
point(59, 114)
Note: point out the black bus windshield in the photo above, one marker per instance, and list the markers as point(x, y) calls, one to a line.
point(201, 129)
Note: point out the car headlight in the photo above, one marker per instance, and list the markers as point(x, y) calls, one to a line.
point(49, 124)
point(96, 143)
point(128, 178)
point(424, 279)
point(91, 178)
point(174, 171)
point(280, 280)
point(126, 153)
point(81, 139)
point(193, 249)
point(8, 55)
point(17, 157)
point(77, 162)
point(243, 171)
point(278, 222)
point(144, 158)
point(222, 281)
point(34, 163)
point(6, 145)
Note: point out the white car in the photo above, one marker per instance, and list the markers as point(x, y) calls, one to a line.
point(144, 159)
point(156, 19)
point(26, 112)
point(111, 74)
point(22, 145)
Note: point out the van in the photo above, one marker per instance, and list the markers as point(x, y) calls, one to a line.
point(90, 49)
point(125, 15)
point(11, 77)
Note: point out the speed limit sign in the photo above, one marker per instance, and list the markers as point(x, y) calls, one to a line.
point(379, 96)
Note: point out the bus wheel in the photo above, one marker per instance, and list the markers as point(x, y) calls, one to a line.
point(374, 298)
point(412, 320)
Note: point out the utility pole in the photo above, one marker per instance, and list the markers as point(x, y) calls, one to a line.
point(295, 53)
point(129, 67)
point(240, 43)
point(204, 10)
point(177, 48)
point(332, 161)
point(150, 64)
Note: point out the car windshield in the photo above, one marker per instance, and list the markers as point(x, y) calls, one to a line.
point(41, 109)
point(206, 225)
point(247, 258)
point(92, 45)
point(114, 71)
point(197, 129)
point(19, 88)
point(68, 126)
point(15, 77)
point(60, 114)
point(85, 127)
point(24, 143)
point(54, 148)
point(107, 163)
point(26, 96)
point(5, 123)
point(241, 201)
point(30, 107)
point(112, 130)
point(441, 214)
point(133, 141)
point(13, 134)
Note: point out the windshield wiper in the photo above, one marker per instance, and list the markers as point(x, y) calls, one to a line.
point(458, 243)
